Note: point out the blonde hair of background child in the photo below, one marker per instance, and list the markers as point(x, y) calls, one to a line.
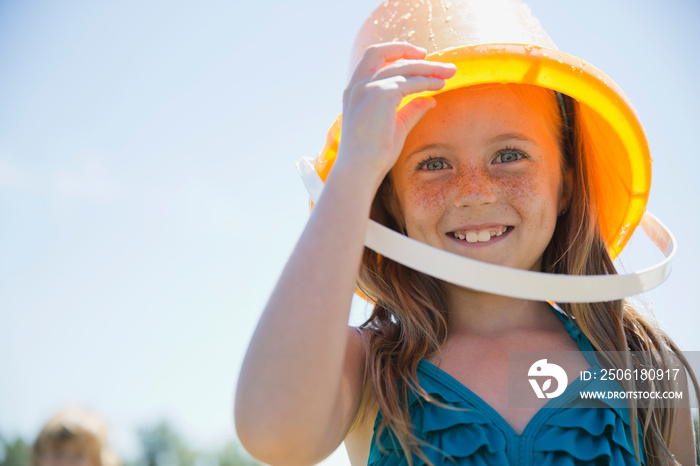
point(77, 428)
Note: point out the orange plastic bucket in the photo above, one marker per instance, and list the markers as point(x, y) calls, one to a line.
point(500, 41)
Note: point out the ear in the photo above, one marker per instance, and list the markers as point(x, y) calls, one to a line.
point(567, 190)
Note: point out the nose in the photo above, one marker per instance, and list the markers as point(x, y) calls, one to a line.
point(474, 187)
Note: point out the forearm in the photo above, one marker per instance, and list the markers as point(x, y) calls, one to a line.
point(298, 349)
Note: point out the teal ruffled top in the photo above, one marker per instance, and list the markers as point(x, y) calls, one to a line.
point(593, 432)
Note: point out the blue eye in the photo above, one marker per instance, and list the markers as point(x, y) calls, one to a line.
point(433, 164)
point(509, 155)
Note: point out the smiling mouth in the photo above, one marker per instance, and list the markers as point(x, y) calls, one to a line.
point(479, 236)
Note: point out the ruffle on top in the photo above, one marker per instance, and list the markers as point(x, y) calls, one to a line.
point(598, 435)
point(593, 432)
point(464, 437)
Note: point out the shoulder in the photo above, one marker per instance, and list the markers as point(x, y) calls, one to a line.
point(357, 355)
point(357, 369)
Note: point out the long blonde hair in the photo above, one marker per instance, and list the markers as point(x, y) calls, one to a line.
point(410, 321)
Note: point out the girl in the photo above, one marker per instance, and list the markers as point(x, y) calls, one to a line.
point(502, 173)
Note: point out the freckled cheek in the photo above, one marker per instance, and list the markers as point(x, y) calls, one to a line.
point(537, 200)
point(422, 206)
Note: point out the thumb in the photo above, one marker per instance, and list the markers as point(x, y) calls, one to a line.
point(413, 111)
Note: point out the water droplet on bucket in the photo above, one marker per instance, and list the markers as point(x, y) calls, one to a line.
point(411, 33)
point(406, 16)
point(376, 21)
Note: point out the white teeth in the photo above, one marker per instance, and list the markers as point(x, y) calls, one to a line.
point(482, 236)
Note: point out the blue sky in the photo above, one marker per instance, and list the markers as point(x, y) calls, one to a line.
point(148, 195)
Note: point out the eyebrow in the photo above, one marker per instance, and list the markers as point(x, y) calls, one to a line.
point(509, 136)
point(427, 147)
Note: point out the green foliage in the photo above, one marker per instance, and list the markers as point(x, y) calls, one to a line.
point(15, 453)
point(233, 455)
point(161, 445)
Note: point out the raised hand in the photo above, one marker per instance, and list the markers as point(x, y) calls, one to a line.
point(373, 131)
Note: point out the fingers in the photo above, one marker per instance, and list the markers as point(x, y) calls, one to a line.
point(417, 68)
point(377, 55)
point(398, 67)
point(374, 130)
point(402, 86)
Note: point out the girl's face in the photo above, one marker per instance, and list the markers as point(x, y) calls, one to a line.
point(481, 176)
